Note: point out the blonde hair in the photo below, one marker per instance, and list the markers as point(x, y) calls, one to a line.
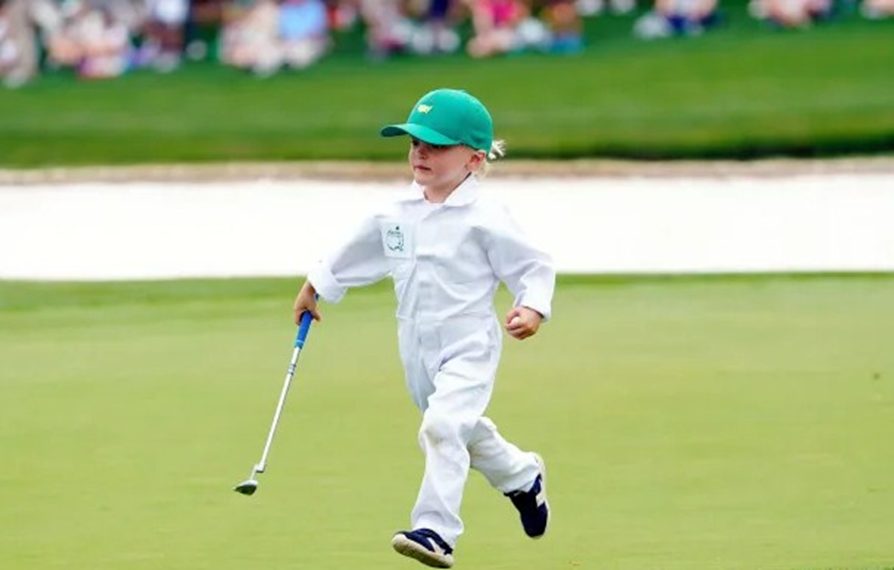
point(497, 151)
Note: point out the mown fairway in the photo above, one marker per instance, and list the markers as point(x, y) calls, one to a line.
point(742, 91)
point(734, 423)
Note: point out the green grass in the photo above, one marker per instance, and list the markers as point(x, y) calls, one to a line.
point(742, 91)
point(689, 423)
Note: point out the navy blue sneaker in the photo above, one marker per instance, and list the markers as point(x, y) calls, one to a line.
point(424, 545)
point(532, 505)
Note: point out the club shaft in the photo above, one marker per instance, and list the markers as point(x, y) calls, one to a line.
point(262, 464)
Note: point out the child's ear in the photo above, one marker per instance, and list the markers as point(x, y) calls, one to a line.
point(476, 160)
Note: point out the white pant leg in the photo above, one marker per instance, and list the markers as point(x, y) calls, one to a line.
point(462, 385)
point(505, 466)
point(420, 365)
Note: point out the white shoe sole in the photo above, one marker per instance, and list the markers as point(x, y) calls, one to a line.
point(549, 511)
point(416, 551)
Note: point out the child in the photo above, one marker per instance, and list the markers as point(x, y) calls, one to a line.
point(447, 246)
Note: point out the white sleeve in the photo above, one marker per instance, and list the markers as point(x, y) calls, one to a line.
point(360, 260)
point(527, 271)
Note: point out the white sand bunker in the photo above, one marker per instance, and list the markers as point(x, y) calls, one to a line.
point(833, 222)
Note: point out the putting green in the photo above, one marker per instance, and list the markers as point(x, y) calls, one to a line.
point(734, 423)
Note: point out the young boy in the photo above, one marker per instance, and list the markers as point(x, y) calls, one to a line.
point(447, 247)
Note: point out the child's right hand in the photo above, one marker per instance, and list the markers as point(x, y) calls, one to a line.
point(306, 301)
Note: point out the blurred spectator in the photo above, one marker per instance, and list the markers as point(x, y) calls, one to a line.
point(268, 35)
point(21, 23)
point(790, 13)
point(388, 27)
point(343, 14)
point(163, 43)
point(200, 34)
point(130, 13)
point(91, 41)
point(677, 18)
point(250, 36)
point(303, 32)
point(436, 34)
point(595, 7)
point(877, 9)
point(494, 23)
point(503, 26)
point(565, 26)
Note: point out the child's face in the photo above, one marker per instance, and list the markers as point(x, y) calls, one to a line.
point(442, 168)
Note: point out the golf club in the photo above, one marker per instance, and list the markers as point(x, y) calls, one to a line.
point(250, 485)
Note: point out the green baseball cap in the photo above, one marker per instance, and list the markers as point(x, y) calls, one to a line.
point(447, 117)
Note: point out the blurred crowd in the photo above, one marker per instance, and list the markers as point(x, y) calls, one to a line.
point(105, 38)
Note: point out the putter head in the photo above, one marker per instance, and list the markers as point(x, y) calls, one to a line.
point(247, 487)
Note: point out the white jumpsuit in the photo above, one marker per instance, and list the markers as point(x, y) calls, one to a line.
point(447, 261)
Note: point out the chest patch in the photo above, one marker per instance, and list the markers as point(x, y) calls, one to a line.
point(397, 239)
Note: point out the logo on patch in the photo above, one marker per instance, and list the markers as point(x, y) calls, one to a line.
point(424, 109)
point(394, 239)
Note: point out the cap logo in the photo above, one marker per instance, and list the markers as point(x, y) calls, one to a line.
point(424, 109)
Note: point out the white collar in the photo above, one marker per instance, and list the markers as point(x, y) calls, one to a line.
point(464, 194)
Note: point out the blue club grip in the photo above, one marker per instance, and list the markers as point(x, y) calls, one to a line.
point(303, 329)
